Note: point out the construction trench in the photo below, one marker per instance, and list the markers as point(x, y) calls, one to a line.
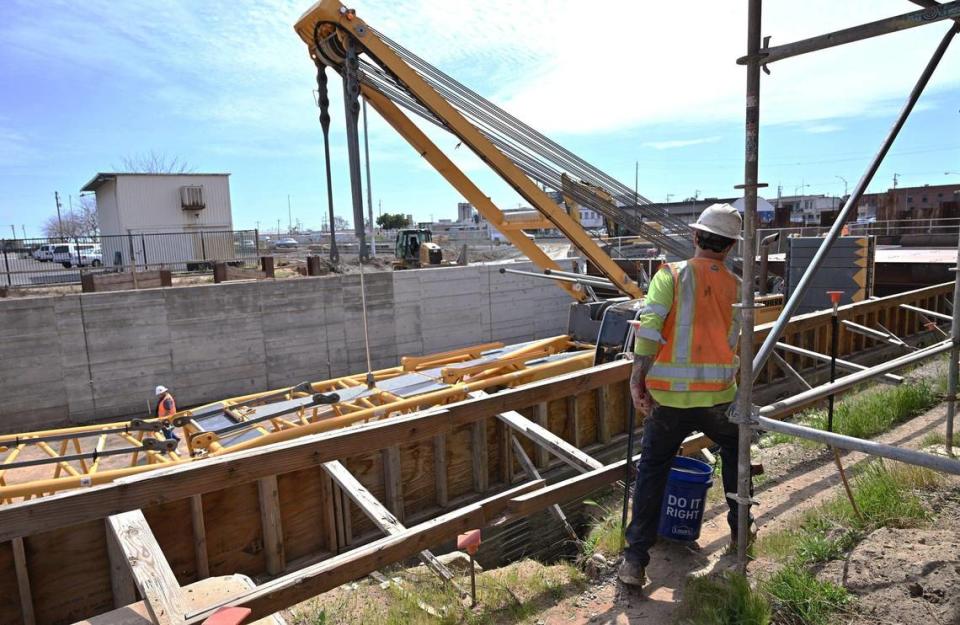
point(308, 487)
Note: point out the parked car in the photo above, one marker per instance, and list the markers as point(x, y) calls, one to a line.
point(78, 255)
point(44, 253)
point(288, 243)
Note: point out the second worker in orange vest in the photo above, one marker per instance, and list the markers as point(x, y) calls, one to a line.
point(166, 407)
point(684, 374)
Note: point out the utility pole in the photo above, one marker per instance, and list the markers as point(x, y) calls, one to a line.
point(289, 215)
point(278, 228)
point(56, 196)
point(23, 229)
point(844, 185)
point(13, 229)
point(669, 195)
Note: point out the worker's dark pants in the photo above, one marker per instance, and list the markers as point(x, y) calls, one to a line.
point(663, 431)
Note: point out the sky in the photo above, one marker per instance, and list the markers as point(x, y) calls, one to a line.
point(229, 87)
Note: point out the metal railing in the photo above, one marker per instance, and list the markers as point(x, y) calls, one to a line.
point(41, 262)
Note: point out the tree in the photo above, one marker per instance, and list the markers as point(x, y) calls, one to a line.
point(77, 222)
point(392, 221)
point(154, 163)
point(339, 223)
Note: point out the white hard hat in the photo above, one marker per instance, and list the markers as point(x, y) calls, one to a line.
point(160, 390)
point(720, 219)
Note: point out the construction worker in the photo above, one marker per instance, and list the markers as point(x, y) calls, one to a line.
point(684, 372)
point(166, 407)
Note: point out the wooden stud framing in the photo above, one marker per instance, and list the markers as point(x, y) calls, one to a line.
point(199, 537)
point(544, 437)
point(271, 524)
point(378, 513)
point(23, 582)
point(392, 481)
point(328, 514)
point(533, 474)
point(151, 572)
point(440, 469)
point(341, 542)
point(541, 455)
point(573, 420)
point(346, 518)
point(506, 455)
point(478, 443)
point(602, 395)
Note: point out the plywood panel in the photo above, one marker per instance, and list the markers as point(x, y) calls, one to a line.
point(557, 419)
point(617, 407)
point(172, 527)
point(9, 598)
point(302, 504)
point(416, 473)
point(69, 573)
point(587, 418)
point(459, 462)
point(234, 539)
point(368, 470)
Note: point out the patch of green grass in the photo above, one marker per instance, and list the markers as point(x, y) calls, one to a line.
point(939, 438)
point(606, 535)
point(868, 413)
point(799, 598)
point(725, 599)
point(886, 495)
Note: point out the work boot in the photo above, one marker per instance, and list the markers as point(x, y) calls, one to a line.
point(632, 574)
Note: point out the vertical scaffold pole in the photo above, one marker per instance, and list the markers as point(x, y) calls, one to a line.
point(954, 355)
point(744, 407)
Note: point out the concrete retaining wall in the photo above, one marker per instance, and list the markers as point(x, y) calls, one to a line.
point(78, 358)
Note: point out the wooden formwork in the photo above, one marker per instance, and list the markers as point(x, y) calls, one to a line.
point(275, 513)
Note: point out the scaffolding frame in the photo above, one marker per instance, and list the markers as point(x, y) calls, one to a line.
point(745, 415)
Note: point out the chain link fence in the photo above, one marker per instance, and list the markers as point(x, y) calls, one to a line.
point(56, 261)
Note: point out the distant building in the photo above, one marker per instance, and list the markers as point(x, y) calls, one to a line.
point(927, 202)
point(193, 206)
point(809, 210)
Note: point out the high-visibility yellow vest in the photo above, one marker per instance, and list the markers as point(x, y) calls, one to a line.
point(701, 330)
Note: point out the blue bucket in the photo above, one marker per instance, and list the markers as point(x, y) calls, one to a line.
point(684, 499)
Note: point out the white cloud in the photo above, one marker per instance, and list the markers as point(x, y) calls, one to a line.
point(819, 129)
point(679, 143)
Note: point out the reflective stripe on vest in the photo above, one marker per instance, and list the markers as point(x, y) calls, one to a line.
point(701, 330)
point(162, 410)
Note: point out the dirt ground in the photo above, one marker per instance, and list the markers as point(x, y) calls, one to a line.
point(799, 479)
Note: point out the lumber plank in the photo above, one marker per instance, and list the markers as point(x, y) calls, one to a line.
point(506, 455)
point(271, 524)
point(346, 519)
point(151, 572)
point(23, 582)
point(440, 469)
point(182, 481)
point(478, 446)
point(121, 579)
point(392, 482)
point(542, 436)
point(338, 518)
point(199, 537)
point(378, 513)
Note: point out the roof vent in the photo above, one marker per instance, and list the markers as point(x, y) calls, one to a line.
point(191, 198)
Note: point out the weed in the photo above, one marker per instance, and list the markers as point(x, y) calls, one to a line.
point(606, 535)
point(799, 598)
point(939, 438)
point(725, 599)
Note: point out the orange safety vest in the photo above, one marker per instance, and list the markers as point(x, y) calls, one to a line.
point(701, 330)
point(162, 410)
